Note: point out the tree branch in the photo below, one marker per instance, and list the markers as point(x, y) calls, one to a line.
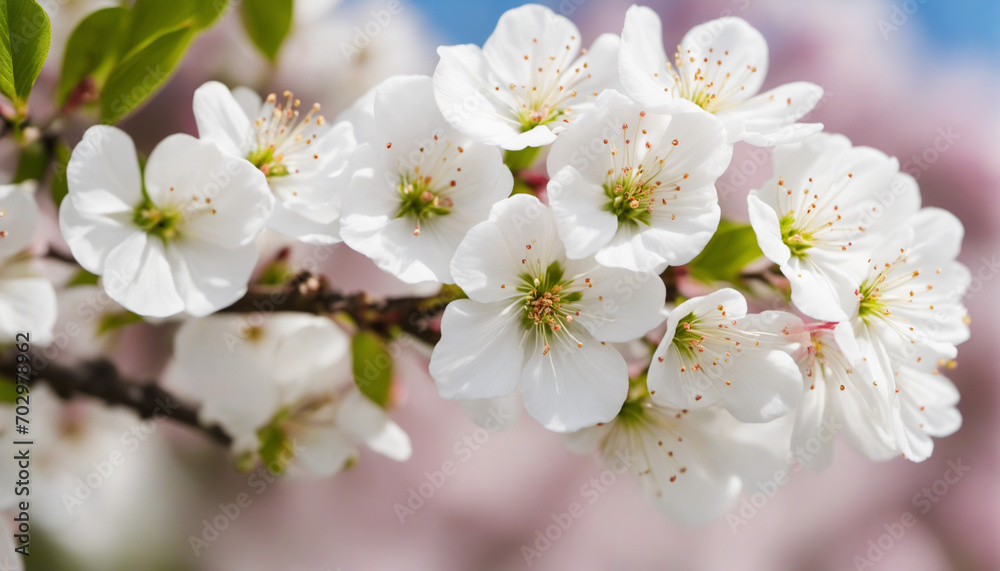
point(311, 294)
point(101, 380)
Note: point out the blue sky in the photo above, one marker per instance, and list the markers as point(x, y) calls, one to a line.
point(952, 25)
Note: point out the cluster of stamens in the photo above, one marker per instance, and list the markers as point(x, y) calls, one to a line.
point(708, 88)
point(633, 192)
point(281, 132)
point(811, 218)
point(546, 98)
point(548, 303)
point(163, 222)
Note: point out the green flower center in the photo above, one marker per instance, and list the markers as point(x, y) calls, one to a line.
point(797, 240)
point(534, 116)
point(418, 200)
point(548, 301)
point(631, 198)
point(686, 338)
point(163, 223)
point(871, 304)
point(268, 162)
point(632, 412)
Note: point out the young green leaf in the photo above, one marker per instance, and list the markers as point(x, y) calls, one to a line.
point(731, 249)
point(25, 35)
point(267, 22)
point(91, 50)
point(32, 163)
point(59, 182)
point(372, 367)
point(208, 12)
point(83, 278)
point(151, 19)
point(139, 76)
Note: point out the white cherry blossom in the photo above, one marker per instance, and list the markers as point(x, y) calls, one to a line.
point(291, 375)
point(690, 464)
point(419, 186)
point(927, 402)
point(838, 398)
point(909, 318)
point(823, 213)
point(27, 298)
point(538, 322)
point(714, 351)
point(304, 158)
point(635, 188)
point(529, 80)
point(719, 67)
point(178, 237)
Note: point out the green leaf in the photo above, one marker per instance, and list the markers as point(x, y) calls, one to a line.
point(151, 19)
point(208, 12)
point(82, 278)
point(523, 159)
point(139, 76)
point(372, 367)
point(273, 442)
point(59, 182)
point(91, 50)
point(32, 163)
point(25, 35)
point(731, 249)
point(115, 321)
point(275, 274)
point(8, 390)
point(267, 22)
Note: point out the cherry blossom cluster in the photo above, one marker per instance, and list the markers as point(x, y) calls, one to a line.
point(564, 310)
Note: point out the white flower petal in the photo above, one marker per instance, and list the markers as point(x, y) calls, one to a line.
point(769, 119)
point(524, 38)
point(138, 276)
point(621, 305)
point(27, 304)
point(103, 172)
point(570, 388)
point(538, 136)
point(325, 450)
point(463, 92)
point(222, 120)
point(19, 218)
point(486, 265)
point(225, 366)
point(479, 355)
point(371, 424)
point(578, 207)
point(91, 236)
point(642, 61)
point(224, 200)
point(740, 48)
point(209, 277)
point(765, 225)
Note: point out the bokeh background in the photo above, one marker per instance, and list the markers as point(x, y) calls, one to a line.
point(919, 79)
